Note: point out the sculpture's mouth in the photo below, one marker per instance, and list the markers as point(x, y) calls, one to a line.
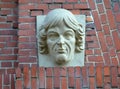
point(61, 51)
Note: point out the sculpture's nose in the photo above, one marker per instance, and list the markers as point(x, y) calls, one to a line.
point(61, 41)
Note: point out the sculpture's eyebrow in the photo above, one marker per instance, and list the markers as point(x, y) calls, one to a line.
point(51, 32)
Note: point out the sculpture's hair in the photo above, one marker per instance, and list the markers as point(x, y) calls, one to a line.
point(54, 18)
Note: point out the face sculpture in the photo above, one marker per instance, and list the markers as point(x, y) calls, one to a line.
point(61, 36)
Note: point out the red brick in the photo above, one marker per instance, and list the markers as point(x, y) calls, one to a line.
point(116, 7)
point(103, 18)
point(19, 84)
point(64, 83)
point(91, 71)
point(114, 82)
point(115, 61)
point(59, 1)
point(4, 38)
point(8, 57)
point(8, 32)
point(106, 71)
point(97, 21)
point(8, 5)
point(12, 82)
point(27, 20)
point(112, 52)
point(71, 1)
point(24, 39)
point(6, 79)
point(6, 64)
point(71, 71)
point(92, 83)
point(116, 39)
point(85, 76)
point(27, 46)
point(35, 13)
point(107, 83)
point(102, 41)
point(24, 13)
point(6, 12)
point(93, 45)
point(97, 51)
point(11, 44)
point(81, 6)
point(2, 19)
point(92, 4)
point(18, 73)
point(7, 51)
point(71, 82)
point(49, 72)
point(42, 82)
point(77, 72)
point(27, 59)
point(11, 18)
point(53, 6)
point(117, 16)
point(11, 71)
point(56, 82)
point(109, 41)
point(34, 71)
point(23, 1)
point(83, 1)
point(89, 52)
point(41, 72)
point(118, 71)
point(49, 83)
point(111, 19)
point(68, 6)
point(42, 6)
point(5, 25)
point(27, 7)
point(63, 71)
point(99, 77)
point(100, 8)
point(26, 26)
point(1, 81)
point(34, 83)
point(47, 1)
point(78, 83)
point(107, 59)
point(26, 32)
point(95, 58)
point(107, 4)
point(56, 71)
point(2, 45)
point(26, 76)
point(106, 29)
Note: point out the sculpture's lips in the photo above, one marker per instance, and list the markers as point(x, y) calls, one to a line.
point(61, 50)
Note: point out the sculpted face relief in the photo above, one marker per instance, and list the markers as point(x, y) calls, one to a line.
point(60, 38)
point(61, 43)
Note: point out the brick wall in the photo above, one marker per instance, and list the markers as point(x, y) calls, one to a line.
point(18, 45)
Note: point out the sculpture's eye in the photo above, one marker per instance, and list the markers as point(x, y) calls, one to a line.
point(69, 34)
point(52, 36)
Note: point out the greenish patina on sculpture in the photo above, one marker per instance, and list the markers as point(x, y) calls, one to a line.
point(60, 37)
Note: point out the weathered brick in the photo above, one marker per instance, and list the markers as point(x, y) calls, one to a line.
point(103, 18)
point(34, 83)
point(102, 41)
point(91, 71)
point(63, 71)
point(100, 8)
point(109, 41)
point(26, 32)
point(106, 29)
point(89, 52)
point(81, 6)
point(85, 76)
point(77, 72)
point(34, 71)
point(49, 72)
point(53, 6)
point(49, 83)
point(8, 57)
point(92, 82)
point(78, 83)
point(1, 81)
point(12, 82)
point(99, 77)
point(107, 4)
point(117, 16)
point(35, 13)
point(97, 51)
point(92, 4)
point(116, 7)
point(64, 83)
point(114, 82)
point(72, 1)
point(6, 64)
point(68, 6)
point(97, 21)
point(6, 79)
point(116, 39)
point(71, 82)
point(106, 71)
point(111, 19)
point(107, 59)
point(107, 83)
point(26, 76)
point(56, 82)
point(19, 84)
point(95, 59)
point(114, 61)
point(56, 71)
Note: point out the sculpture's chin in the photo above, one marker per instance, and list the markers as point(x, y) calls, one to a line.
point(62, 59)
